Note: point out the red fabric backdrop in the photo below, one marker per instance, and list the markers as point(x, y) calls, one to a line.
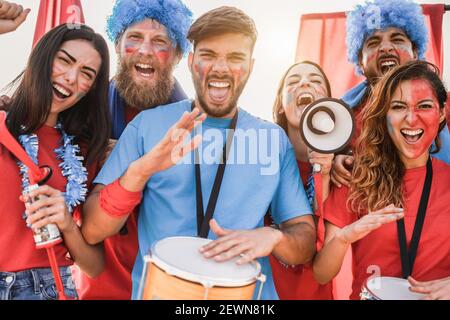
point(53, 13)
point(322, 39)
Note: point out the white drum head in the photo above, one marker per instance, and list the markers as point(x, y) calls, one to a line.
point(180, 257)
point(388, 288)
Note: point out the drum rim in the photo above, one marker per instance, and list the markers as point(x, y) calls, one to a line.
point(189, 276)
point(365, 285)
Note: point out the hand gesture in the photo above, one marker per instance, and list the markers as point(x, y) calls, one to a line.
point(248, 244)
point(50, 208)
point(434, 290)
point(173, 147)
point(372, 221)
point(340, 174)
point(11, 16)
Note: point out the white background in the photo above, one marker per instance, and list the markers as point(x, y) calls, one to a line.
point(277, 21)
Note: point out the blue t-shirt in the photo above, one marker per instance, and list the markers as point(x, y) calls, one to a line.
point(261, 172)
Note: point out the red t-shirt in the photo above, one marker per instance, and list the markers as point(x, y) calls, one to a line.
point(380, 248)
point(297, 282)
point(114, 283)
point(17, 246)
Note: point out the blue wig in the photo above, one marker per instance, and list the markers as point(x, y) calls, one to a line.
point(173, 14)
point(365, 19)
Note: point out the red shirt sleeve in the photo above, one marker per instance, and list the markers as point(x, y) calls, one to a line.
point(335, 208)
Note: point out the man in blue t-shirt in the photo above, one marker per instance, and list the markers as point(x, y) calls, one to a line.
point(153, 165)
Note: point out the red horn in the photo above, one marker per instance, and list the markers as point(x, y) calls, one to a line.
point(36, 174)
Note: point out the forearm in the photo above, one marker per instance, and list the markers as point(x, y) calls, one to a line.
point(107, 208)
point(297, 244)
point(97, 223)
point(89, 258)
point(328, 261)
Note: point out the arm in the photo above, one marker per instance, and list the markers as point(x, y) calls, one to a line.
point(51, 208)
point(99, 223)
point(294, 243)
point(11, 16)
point(328, 261)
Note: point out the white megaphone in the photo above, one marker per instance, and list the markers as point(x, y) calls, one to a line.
point(327, 126)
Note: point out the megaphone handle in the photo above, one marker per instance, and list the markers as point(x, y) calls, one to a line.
point(318, 190)
point(317, 168)
point(56, 274)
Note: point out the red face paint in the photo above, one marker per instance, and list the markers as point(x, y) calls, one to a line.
point(383, 50)
point(131, 46)
point(413, 121)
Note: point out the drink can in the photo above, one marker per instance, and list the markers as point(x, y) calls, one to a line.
point(48, 235)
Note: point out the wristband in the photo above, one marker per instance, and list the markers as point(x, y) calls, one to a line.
point(118, 202)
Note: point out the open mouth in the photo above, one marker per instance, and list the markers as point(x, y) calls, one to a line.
point(412, 136)
point(144, 70)
point(305, 99)
point(219, 90)
point(386, 64)
point(61, 92)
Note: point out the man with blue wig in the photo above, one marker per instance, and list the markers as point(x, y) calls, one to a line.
point(150, 40)
point(381, 35)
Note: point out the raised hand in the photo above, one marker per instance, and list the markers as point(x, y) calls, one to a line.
point(172, 148)
point(248, 244)
point(11, 16)
point(372, 221)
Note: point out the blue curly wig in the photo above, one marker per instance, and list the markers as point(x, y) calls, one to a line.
point(173, 14)
point(365, 19)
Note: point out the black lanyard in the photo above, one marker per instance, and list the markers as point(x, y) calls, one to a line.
point(408, 257)
point(204, 218)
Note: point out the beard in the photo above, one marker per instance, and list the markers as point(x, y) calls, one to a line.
point(147, 94)
point(214, 111)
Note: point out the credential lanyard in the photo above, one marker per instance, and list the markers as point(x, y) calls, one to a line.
point(203, 218)
point(408, 257)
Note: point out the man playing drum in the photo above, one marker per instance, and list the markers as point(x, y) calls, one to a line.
point(152, 164)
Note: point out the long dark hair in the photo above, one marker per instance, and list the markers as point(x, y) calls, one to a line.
point(88, 120)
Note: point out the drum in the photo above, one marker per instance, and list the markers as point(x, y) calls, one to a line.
point(176, 270)
point(388, 288)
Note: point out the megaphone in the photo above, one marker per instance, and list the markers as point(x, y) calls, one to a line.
point(327, 126)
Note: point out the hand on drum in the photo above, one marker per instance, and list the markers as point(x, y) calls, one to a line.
point(248, 244)
point(435, 290)
point(372, 221)
point(340, 174)
point(50, 208)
